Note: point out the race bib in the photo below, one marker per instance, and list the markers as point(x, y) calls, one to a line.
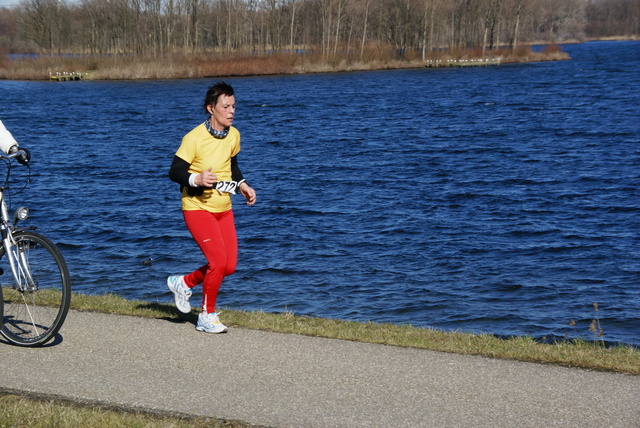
point(227, 187)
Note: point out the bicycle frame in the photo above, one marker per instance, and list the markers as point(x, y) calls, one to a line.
point(8, 243)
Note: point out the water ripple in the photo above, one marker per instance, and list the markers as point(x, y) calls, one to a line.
point(500, 200)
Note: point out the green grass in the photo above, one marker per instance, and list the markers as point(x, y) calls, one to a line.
point(28, 411)
point(41, 412)
point(574, 353)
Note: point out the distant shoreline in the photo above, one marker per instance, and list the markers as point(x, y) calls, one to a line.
point(216, 65)
point(220, 65)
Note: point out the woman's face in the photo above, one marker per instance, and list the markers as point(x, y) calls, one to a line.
point(222, 113)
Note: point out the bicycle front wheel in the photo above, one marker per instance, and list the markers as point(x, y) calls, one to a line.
point(36, 306)
point(1, 307)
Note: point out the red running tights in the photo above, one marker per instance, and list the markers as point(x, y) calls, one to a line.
point(215, 234)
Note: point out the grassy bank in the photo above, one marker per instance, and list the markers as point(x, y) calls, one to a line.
point(180, 66)
point(17, 410)
point(579, 353)
point(44, 412)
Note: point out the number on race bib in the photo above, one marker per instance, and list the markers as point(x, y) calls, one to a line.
point(227, 187)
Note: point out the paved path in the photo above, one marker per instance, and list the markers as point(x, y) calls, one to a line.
point(284, 380)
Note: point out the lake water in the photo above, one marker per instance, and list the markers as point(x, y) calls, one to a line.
point(496, 199)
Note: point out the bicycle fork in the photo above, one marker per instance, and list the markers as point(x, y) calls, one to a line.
point(18, 262)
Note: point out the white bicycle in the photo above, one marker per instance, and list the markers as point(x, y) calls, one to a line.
point(35, 289)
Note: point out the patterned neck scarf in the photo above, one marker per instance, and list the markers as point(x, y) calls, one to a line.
point(216, 134)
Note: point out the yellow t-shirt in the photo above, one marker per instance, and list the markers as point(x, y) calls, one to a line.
point(203, 151)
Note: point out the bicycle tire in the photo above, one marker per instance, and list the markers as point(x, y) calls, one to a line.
point(1, 308)
point(34, 317)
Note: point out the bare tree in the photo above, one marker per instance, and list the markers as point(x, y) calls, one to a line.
point(157, 27)
point(339, 9)
point(367, 3)
point(292, 5)
point(41, 22)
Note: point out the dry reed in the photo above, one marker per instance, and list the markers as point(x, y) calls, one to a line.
point(215, 64)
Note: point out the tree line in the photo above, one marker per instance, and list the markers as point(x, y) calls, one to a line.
point(330, 27)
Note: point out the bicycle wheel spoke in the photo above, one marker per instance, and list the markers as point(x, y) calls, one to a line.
point(36, 303)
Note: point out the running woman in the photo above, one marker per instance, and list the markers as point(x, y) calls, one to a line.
point(206, 167)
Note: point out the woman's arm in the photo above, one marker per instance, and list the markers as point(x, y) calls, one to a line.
point(179, 171)
point(236, 174)
point(246, 190)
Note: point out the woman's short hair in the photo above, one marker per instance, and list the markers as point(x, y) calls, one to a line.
point(214, 92)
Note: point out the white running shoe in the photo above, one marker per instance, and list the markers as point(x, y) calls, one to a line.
point(210, 323)
point(182, 293)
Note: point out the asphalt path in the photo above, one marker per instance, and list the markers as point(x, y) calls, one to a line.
point(287, 380)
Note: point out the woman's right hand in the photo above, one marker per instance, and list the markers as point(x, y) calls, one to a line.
point(206, 178)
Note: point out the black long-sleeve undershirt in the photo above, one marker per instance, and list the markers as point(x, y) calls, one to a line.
point(179, 171)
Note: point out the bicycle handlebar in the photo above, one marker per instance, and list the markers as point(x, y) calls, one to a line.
point(23, 156)
point(9, 147)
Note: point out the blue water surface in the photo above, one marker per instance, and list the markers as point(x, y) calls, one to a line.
point(493, 199)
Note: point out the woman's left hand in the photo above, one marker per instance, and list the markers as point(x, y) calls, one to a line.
point(248, 193)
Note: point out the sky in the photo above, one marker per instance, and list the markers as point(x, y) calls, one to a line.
point(9, 2)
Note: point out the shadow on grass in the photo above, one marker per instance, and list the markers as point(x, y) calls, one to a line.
point(172, 314)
